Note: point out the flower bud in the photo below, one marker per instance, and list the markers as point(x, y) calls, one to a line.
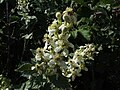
point(66, 17)
point(58, 15)
point(69, 9)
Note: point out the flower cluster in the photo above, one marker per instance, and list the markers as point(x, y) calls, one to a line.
point(23, 10)
point(56, 55)
point(4, 83)
point(77, 63)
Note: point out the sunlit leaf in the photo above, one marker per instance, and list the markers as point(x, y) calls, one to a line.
point(24, 67)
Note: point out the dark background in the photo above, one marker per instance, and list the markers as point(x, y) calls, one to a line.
point(102, 25)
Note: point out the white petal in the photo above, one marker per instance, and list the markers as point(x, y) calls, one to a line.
point(46, 45)
point(58, 49)
point(37, 57)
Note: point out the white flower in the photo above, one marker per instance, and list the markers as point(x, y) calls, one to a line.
point(82, 54)
point(58, 49)
point(59, 42)
point(82, 47)
point(63, 65)
point(58, 15)
point(69, 75)
point(57, 46)
point(51, 31)
point(66, 17)
point(49, 47)
point(65, 52)
point(47, 56)
point(62, 27)
point(54, 38)
point(33, 67)
point(51, 63)
point(46, 45)
point(54, 23)
point(6, 89)
point(38, 57)
point(52, 43)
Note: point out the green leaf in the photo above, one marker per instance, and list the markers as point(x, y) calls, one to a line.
point(74, 33)
point(60, 81)
point(28, 85)
point(1, 1)
point(14, 18)
point(24, 67)
point(85, 31)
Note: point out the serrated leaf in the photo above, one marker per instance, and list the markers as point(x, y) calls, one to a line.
point(60, 81)
point(85, 32)
point(74, 33)
point(28, 85)
point(14, 18)
point(24, 67)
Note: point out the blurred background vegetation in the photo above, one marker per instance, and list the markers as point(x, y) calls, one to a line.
point(98, 23)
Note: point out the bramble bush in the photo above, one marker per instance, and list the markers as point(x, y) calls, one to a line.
point(49, 45)
point(59, 58)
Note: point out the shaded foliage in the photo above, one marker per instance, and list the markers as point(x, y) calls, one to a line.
point(98, 23)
